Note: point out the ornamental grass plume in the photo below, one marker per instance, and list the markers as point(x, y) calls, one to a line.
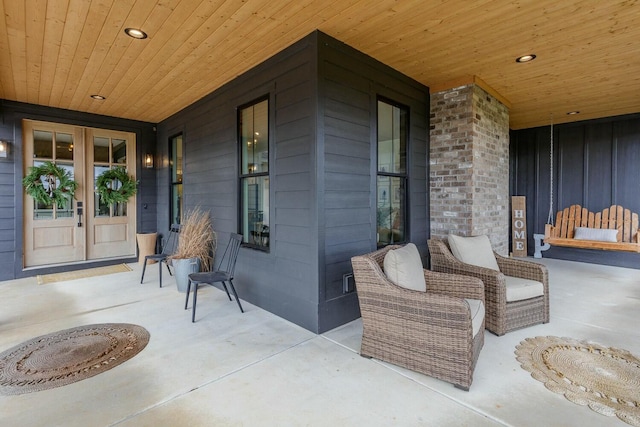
point(197, 238)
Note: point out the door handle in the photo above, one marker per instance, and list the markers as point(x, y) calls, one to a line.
point(79, 213)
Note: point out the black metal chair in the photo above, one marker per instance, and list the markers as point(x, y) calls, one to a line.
point(168, 249)
point(222, 274)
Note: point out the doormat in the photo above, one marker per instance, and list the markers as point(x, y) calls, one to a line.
point(68, 356)
point(607, 380)
point(81, 274)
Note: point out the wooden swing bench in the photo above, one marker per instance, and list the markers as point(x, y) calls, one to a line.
point(595, 227)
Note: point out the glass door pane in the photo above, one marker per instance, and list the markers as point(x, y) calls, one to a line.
point(55, 147)
point(108, 153)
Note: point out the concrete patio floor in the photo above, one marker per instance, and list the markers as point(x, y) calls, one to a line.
point(256, 369)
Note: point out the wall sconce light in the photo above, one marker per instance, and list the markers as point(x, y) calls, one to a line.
point(4, 148)
point(148, 161)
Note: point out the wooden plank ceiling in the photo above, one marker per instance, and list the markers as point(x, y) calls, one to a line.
point(59, 52)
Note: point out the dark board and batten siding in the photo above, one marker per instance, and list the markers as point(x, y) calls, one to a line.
point(349, 86)
point(596, 166)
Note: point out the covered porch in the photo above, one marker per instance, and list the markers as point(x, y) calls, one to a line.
point(256, 368)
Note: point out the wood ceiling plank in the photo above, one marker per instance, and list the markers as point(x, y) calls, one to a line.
point(77, 11)
point(402, 22)
point(88, 38)
point(207, 23)
point(56, 12)
point(237, 50)
point(7, 87)
point(588, 54)
point(119, 60)
point(139, 53)
point(107, 44)
point(489, 45)
point(16, 36)
point(453, 39)
point(262, 44)
point(34, 27)
point(187, 59)
point(203, 86)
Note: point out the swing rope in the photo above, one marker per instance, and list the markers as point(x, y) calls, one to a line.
point(550, 217)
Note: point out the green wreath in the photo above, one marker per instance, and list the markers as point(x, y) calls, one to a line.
point(109, 190)
point(50, 184)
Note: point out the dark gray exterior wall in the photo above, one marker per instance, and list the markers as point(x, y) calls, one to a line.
point(349, 86)
point(322, 99)
point(283, 280)
point(11, 173)
point(595, 166)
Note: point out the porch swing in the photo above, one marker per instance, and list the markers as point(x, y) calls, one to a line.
point(613, 229)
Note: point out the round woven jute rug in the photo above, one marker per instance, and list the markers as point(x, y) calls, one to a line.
point(68, 356)
point(605, 379)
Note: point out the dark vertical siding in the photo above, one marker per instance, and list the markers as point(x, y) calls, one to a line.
point(595, 166)
point(349, 85)
point(570, 171)
point(598, 148)
point(11, 173)
point(530, 176)
point(626, 164)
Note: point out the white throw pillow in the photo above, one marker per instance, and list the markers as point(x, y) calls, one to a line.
point(601, 235)
point(403, 267)
point(473, 250)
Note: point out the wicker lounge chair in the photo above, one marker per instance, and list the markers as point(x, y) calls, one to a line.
point(501, 316)
point(428, 332)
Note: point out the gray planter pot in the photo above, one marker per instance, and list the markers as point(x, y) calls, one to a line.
point(182, 267)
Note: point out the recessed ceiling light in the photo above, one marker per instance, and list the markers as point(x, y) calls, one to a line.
point(571, 113)
point(98, 97)
point(526, 58)
point(135, 33)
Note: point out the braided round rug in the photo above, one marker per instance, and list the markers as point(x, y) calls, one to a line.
point(605, 379)
point(67, 356)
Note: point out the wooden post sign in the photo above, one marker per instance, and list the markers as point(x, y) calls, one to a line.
point(519, 226)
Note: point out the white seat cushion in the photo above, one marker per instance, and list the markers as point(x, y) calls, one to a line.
point(403, 267)
point(477, 314)
point(601, 235)
point(473, 250)
point(520, 289)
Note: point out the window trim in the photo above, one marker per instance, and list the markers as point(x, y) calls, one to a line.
point(173, 183)
point(404, 176)
point(242, 176)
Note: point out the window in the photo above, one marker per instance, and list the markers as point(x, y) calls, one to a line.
point(392, 173)
point(253, 137)
point(175, 208)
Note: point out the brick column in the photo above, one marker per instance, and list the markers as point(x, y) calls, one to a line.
point(469, 162)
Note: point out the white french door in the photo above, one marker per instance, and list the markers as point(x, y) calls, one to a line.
point(85, 229)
